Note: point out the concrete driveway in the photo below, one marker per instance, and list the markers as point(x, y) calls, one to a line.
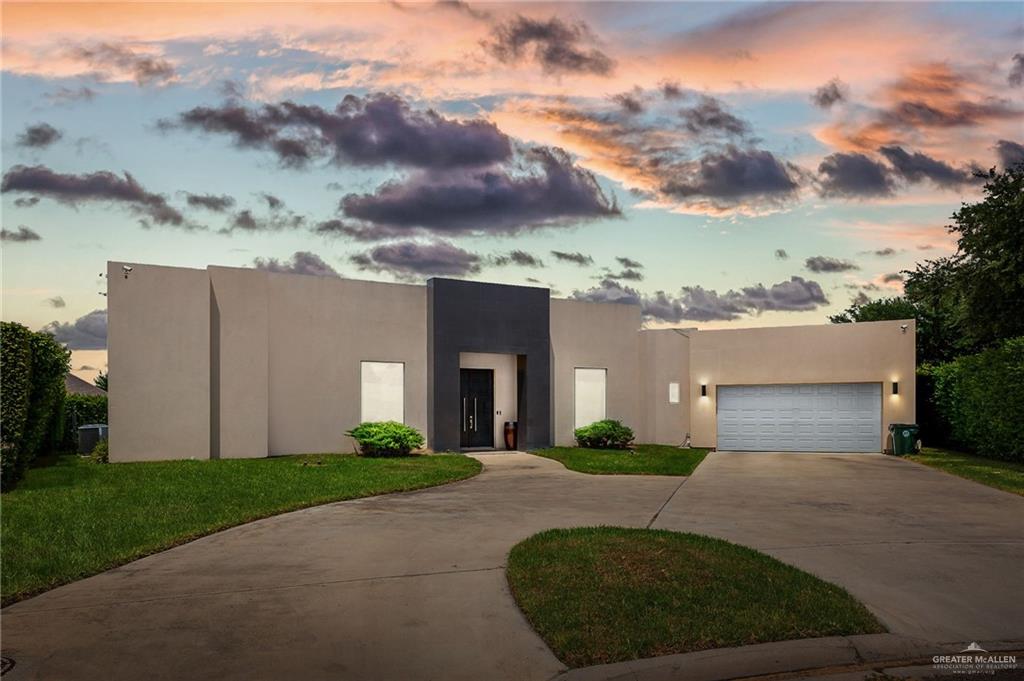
point(412, 586)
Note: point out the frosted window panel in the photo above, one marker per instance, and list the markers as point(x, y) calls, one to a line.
point(383, 391)
point(673, 393)
point(590, 396)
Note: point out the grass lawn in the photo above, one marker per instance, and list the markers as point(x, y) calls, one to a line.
point(644, 460)
point(1004, 475)
point(75, 518)
point(607, 594)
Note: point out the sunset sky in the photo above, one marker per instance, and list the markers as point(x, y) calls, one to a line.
point(725, 164)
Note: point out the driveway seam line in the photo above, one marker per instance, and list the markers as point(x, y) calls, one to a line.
point(303, 585)
point(662, 507)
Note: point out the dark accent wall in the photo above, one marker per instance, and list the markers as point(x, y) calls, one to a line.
point(465, 316)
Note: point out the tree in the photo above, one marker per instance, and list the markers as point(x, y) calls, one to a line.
point(100, 381)
point(879, 310)
point(975, 298)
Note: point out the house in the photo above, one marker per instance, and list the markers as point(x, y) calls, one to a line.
point(74, 385)
point(227, 362)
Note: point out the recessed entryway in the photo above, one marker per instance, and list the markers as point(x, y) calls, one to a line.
point(813, 417)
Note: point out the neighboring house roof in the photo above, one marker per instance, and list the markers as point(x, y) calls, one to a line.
point(73, 384)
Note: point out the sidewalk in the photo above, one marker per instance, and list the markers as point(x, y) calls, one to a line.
point(833, 658)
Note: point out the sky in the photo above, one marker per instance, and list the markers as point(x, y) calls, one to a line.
point(720, 164)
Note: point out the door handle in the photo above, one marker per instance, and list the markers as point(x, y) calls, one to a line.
point(474, 414)
point(463, 414)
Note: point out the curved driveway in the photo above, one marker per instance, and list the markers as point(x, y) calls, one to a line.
point(412, 586)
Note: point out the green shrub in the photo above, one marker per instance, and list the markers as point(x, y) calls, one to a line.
point(980, 398)
point(101, 452)
point(33, 366)
point(386, 438)
point(606, 434)
point(78, 411)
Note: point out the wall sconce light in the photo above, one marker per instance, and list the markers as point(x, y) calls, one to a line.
point(703, 389)
point(895, 387)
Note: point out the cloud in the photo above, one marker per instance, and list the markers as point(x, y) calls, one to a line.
point(26, 201)
point(781, 254)
point(824, 263)
point(212, 202)
point(301, 262)
point(917, 167)
point(556, 46)
point(491, 201)
point(628, 263)
point(22, 235)
point(699, 304)
point(375, 130)
point(728, 177)
point(710, 116)
point(892, 277)
point(575, 258)
point(414, 260)
point(1016, 77)
point(143, 68)
point(88, 332)
point(1009, 153)
point(627, 274)
point(100, 186)
point(885, 252)
point(853, 175)
point(630, 102)
point(56, 301)
point(273, 203)
point(517, 257)
point(670, 89)
point(64, 95)
point(830, 93)
point(926, 99)
point(246, 221)
point(39, 136)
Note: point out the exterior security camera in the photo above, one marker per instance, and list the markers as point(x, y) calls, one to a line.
point(903, 328)
point(126, 269)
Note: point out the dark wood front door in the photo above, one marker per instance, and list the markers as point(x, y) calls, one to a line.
point(477, 407)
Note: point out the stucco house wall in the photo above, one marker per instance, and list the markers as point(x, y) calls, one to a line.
point(158, 342)
point(664, 359)
point(321, 329)
point(867, 352)
point(600, 336)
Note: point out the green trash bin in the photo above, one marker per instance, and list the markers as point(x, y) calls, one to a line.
point(904, 438)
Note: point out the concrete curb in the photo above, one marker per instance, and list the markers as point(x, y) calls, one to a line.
point(827, 656)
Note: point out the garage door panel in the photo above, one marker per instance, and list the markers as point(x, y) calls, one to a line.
point(828, 417)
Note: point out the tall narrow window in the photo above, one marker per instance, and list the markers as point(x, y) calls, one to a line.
point(382, 393)
point(673, 393)
point(590, 396)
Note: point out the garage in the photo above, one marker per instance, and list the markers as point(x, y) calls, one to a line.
point(818, 417)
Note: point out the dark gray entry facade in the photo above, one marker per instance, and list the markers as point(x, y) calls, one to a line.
point(465, 316)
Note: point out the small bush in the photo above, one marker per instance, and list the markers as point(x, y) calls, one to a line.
point(607, 434)
point(101, 452)
point(386, 438)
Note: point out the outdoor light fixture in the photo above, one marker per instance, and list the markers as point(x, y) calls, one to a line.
point(127, 269)
point(703, 389)
point(895, 387)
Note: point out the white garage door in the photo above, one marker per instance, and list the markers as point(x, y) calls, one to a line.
point(820, 417)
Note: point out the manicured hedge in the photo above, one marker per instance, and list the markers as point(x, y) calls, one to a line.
point(386, 438)
point(981, 399)
point(78, 411)
point(33, 365)
point(606, 434)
